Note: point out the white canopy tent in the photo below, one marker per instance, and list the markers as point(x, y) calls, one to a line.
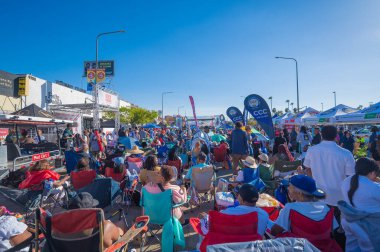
point(285, 117)
point(370, 114)
point(328, 116)
point(300, 117)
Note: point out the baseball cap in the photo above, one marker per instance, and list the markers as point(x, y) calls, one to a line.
point(84, 200)
point(249, 193)
point(264, 157)
point(307, 185)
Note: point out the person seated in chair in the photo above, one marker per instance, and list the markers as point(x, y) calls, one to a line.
point(249, 163)
point(25, 138)
point(12, 231)
point(150, 164)
point(112, 232)
point(304, 194)
point(179, 193)
point(201, 162)
point(40, 172)
point(247, 198)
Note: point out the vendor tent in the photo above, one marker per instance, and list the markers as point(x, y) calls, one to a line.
point(328, 116)
point(285, 118)
point(299, 118)
point(370, 114)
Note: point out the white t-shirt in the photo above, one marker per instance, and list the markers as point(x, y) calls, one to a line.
point(330, 165)
point(366, 197)
point(9, 227)
point(314, 210)
point(262, 216)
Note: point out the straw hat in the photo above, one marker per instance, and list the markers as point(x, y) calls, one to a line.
point(264, 157)
point(135, 150)
point(250, 162)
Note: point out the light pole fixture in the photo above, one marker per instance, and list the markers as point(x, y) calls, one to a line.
point(162, 105)
point(334, 97)
point(298, 97)
point(322, 106)
point(270, 98)
point(288, 103)
point(180, 107)
point(96, 122)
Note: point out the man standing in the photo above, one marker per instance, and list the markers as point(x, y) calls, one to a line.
point(329, 164)
point(317, 137)
point(239, 146)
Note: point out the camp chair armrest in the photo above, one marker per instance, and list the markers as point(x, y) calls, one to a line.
point(182, 203)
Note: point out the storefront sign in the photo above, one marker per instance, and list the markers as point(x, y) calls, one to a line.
point(3, 134)
point(7, 86)
point(108, 99)
point(40, 156)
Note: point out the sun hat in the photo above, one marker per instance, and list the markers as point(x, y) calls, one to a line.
point(84, 200)
point(264, 157)
point(250, 162)
point(249, 193)
point(135, 150)
point(307, 185)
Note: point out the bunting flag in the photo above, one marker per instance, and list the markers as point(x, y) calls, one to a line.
point(234, 114)
point(259, 109)
point(193, 107)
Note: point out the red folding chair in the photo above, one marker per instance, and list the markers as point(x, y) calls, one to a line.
point(75, 230)
point(224, 228)
point(115, 176)
point(176, 164)
point(319, 233)
point(80, 179)
point(220, 154)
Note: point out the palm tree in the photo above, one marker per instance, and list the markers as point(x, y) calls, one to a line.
point(288, 103)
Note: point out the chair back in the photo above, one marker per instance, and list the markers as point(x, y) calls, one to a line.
point(250, 174)
point(319, 233)
point(80, 179)
point(134, 164)
point(158, 206)
point(286, 166)
point(115, 176)
point(220, 154)
point(224, 228)
point(202, 178)
point(75, 230)
point(305, 227)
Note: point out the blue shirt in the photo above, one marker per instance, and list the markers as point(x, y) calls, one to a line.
point(239, 143)
point(201, 165)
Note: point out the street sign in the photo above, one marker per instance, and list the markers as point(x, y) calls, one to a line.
point(101, 75)
point(107, 65)
point(40, 156)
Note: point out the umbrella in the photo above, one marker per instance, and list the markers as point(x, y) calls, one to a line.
point(128, 142)
point(151, 126)
point(217, 138)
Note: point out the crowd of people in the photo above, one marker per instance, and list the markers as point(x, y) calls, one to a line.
point(329, 182)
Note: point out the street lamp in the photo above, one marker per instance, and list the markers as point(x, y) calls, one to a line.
point(298, 98)
point(180, 107)
point(162, 105)
point(270, 98)
point(288, 103)
point(322, 106)
point(334, 98)
point(96, 89)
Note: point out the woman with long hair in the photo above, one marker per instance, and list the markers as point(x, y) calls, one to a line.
point(174, 160)
point(150, 164)
point(283, 154)
point(362, 192)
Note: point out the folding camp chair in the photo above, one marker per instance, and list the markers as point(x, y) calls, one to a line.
point(75, 230)
point(159, 209)
point(81, 179)
point(109, 173)
point(224, 228)
point(319, 233)
point(202, 188)
point(134, 164)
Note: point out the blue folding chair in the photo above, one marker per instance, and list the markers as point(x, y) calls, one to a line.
point(159, 208)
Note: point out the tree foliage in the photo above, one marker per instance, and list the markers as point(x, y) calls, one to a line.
point(134, 115)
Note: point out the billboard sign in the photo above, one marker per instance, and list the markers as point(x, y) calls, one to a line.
point(23, 86)
point(7, 85)
point(108, 99)
point(107, 65)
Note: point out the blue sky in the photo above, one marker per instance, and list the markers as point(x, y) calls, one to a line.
point(216, 50)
